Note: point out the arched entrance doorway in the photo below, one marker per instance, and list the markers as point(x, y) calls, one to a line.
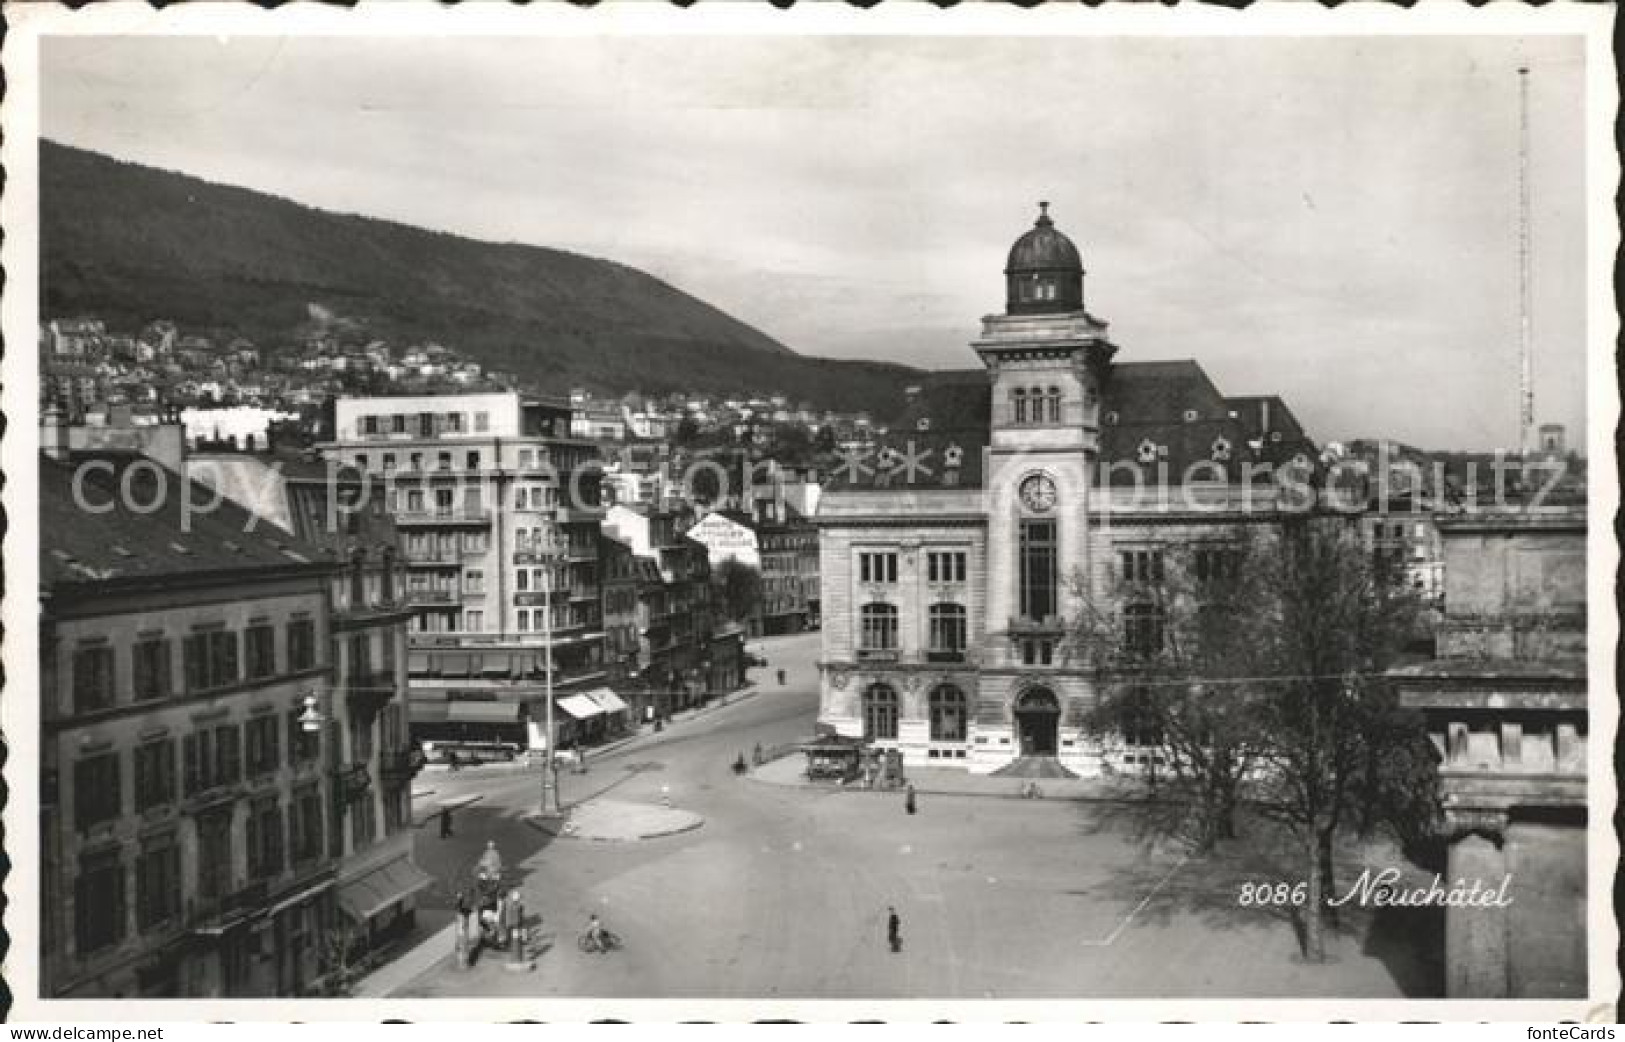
point(1038, 721)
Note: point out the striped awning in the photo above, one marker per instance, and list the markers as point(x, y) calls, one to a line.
point(580, 706)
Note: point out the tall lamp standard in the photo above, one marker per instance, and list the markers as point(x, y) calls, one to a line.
point(550, 773)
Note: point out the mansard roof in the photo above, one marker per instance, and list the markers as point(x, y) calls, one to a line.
point(1161, 417)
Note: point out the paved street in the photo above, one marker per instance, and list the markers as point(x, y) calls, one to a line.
point(783, 891)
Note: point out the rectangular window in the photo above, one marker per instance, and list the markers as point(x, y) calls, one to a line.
point(361, 461)
point(1143, 629)
point(361, 739)
point(228, 761)
point(877, 567)
point(261, 640)
point(154, 774)
point(389, 463)
point(1038, 569)
point(454, 422)
point(397, 423)
point(301, 645)
point(96, 790)
point(1215, 563)
point(150, 669)
point(482, 422)
point(305, 824)
point(264, 838)
point(1142, 566)
point(157, 884)
point(98, 902)
point(946, 566)
point(214, 867)
point(211, 660)
point(522, 620)
point(475, 621)
point(473, 461)
point(521, 580)
point(369, 425)
point(92, 679)
point(264, 745)
point(443, 460)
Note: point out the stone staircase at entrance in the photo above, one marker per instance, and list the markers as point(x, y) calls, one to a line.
point(1034, 767)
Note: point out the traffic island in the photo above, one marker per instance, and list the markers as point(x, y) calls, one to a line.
point(617, 821)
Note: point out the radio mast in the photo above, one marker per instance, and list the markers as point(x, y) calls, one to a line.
point(1526, 383)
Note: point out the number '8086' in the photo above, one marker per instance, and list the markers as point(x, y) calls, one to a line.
point(1266, 894)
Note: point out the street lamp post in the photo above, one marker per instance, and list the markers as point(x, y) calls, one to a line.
point(550, 773)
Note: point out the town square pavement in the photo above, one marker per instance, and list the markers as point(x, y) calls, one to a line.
point(782, 890)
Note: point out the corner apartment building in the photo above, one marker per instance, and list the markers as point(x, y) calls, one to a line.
point(498, 511)
point(365, 709)
point(187, 820)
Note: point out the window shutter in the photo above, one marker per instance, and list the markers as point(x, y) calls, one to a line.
point(189, 761)
point(255, 866)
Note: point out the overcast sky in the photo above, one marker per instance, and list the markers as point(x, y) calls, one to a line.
point(1333, 220)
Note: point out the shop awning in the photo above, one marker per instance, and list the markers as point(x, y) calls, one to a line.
point(482, 712)
point(579, 706)
point(366, 896)
point(609, 700)
point(299, 895)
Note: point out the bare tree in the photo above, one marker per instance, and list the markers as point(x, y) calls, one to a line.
point(1172, 651)
point(1332, 729)
point(1256, 667)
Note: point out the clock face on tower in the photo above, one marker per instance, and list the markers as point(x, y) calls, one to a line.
point(1038, 493)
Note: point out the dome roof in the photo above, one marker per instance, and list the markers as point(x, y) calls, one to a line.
point(1043, 249)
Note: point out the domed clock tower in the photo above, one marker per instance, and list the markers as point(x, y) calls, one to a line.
point(1046, 357)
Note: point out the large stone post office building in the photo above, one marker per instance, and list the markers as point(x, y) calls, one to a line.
point(955, 558)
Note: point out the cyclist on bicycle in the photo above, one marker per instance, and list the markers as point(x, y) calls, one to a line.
point(595, 934)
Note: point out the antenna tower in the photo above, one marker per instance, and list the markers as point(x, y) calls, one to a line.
point(1526, 383)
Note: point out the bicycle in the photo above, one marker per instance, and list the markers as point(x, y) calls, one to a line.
point(608, 942)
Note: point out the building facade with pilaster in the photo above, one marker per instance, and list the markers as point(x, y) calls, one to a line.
point(955, 557)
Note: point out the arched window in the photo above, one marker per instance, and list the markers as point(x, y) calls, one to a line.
point(947, 714)
point(947, 633)
point(1055, 405)
point(1019, 396)
point(879, 627)
point(879, 713)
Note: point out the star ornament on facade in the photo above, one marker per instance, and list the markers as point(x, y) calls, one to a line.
point(911, 463)
point(852, 464)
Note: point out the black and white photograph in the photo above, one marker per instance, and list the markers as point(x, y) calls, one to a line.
point(730, 513)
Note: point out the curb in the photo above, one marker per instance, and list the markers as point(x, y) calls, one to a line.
point(1046, 798)
point(536, 821)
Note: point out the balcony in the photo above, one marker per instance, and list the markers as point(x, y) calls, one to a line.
point(879, 655)
point(1024, 626)
point(578, 515)
point(536, 598)
point(431, 596)
point(944, 656)
point(444, 516)
point(433, 561)
point(581, 553)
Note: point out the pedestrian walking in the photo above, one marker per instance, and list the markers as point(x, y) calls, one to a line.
point(908, 800)
point(464, 909)
point(445, 822)
point(894, 930)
